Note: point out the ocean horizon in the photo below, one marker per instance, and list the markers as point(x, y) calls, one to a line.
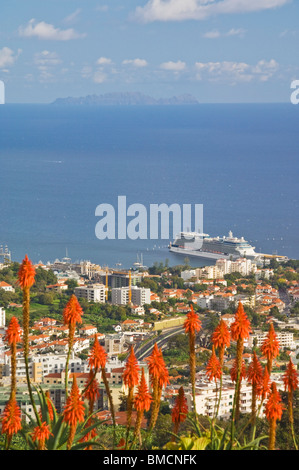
point(58, 163)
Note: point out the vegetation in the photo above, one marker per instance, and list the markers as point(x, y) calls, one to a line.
point(169, 426)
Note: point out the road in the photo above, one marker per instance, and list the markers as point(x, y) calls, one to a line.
point(146, 349)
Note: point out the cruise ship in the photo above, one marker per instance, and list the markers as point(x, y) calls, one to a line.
point(204, 246)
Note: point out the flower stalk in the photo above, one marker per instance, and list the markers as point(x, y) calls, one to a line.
point(192, 325)
point(26, 279)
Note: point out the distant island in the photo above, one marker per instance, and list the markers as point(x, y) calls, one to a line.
point(126, 99)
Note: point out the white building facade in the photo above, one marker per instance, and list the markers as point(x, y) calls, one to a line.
point(139, 295)
point(95, 293)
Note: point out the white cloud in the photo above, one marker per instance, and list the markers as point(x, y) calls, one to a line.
point(47, 31)
point(236, 32)
point(212, 34)
point(173, 66)
point(215, 34)
point(135, 62)
point(46, 62)
point(8, 57)
point(73, 16)
point(99, 77)
point(86, 71)
point(104, 61)
point(236, 71)
point(265, 70)
point(46, 58)
point(178, 10)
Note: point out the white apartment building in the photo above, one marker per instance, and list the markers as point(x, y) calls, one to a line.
point(42, 365)
point(189, 273)
point(207, 397)
point(139, 295)
point(243, 266)
point(115, 344)
point(205, 301)
point(94, 293)
point(286, 339)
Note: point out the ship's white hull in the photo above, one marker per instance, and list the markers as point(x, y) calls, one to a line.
point(199, 254)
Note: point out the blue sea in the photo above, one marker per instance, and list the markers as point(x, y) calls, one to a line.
point(58, 163)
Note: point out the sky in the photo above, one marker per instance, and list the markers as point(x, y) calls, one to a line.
point(219, 51)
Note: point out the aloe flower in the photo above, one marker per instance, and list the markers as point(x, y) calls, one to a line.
point(213, 369)
point(192, 325)
point(221, 339)
point(255, 377)
point(97, 361)
point(74, 411)
point(13, 336)
point(41, 434)
point(179, 411)
point(26, 279)
point(71, 316)
point(159, 378)
point(131, 379)
point(270, 347)
point(240, 330)
point(142, 403)
point(273, 411)
point(11, 420)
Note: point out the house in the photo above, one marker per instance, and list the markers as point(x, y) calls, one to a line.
point(59, 287)
point(182, 307)
point(137, 310)
point(45, 322)
point(130, 324)
point(87, 330)
point(6, 287)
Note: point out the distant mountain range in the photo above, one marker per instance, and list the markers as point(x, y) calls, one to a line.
point(126, 99)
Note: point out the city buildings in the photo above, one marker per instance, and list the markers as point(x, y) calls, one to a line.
point(139, 295)
point(93, 293)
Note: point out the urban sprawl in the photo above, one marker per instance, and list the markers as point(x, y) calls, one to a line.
point(140, 307)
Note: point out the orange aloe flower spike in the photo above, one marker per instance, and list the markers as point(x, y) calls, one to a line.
point(74, 408)
point(92, 391)
point(241, 328)
point(26, 274)
point(234, 371)
point(274, 407)
point(263, 388)
point(290, 377)
point(11, 418)
point(213, 369)
point(180, 409)
point(273, 411)
point(72, 312)
point(97, 357)
point(255, 371)
point(155, 363)
point(41, 434)
point(270, 346)
point(164, 378)
point(143, 399)
point(131, 372)
point(13, 332)
point(192, 322)
point(221, 335)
